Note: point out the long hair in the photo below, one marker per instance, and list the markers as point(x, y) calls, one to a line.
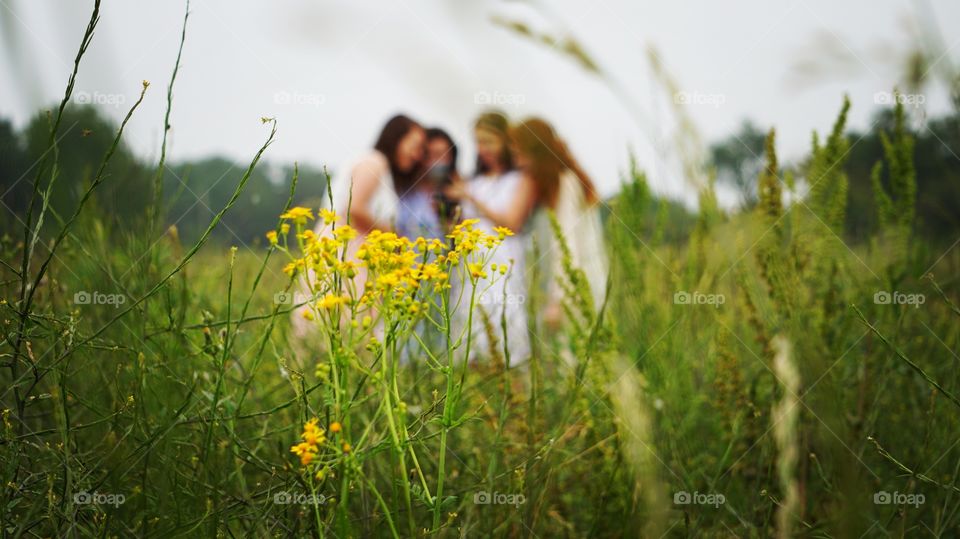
point(437, 133)
point(549, 158)
point(390, 136)
point(495, 122)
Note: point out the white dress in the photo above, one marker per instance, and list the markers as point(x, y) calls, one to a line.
point(582, 229)
point(499, 295)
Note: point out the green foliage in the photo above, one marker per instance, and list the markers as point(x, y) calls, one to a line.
point(195, 190)
point(826, 176)
point(770, 192)
point(86, 136)
point(895, 207)
point(738, 159)
point(936, 207)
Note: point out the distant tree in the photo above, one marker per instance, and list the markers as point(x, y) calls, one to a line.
point(937, 198)
point(13, 169)
point(193, 191)
point(738, 161)
point(83, 139)
point(197, 190)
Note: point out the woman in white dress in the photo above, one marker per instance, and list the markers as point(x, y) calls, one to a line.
point(563, 187)
point(366, 192)
point(498, 196)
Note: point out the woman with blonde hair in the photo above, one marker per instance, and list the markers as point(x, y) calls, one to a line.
point(498, 196)
point(563, 187)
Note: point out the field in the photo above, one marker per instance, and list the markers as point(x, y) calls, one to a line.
point(760, 377)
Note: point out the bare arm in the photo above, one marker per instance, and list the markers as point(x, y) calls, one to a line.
point(514, 216)
point(366, 180)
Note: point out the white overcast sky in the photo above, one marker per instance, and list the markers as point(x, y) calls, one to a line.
point(345, 66)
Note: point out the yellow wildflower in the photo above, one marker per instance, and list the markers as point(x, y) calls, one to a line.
point(345, 233)
point(477, 271)
point(312, 437)
point(312, 433)
point(299, 215)
point(431, 271)
point(329, 216)
point(332, 300)
point(388, 280)
point(305, 451)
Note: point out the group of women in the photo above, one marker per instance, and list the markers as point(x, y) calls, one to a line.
point(409, 183)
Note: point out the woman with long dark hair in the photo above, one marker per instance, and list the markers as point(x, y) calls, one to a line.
point(368, 193)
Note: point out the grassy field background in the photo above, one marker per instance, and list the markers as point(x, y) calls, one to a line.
point(759, 376)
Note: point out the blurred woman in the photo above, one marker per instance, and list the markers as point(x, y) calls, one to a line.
point(563, 187)
point(368, 193)
point(423, 209)
point(499, 197)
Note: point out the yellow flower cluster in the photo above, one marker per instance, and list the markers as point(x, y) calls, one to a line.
point(400, 280)
point(396, 268)
point(313, 436)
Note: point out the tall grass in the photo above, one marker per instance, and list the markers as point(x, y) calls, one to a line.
point(152, 388)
